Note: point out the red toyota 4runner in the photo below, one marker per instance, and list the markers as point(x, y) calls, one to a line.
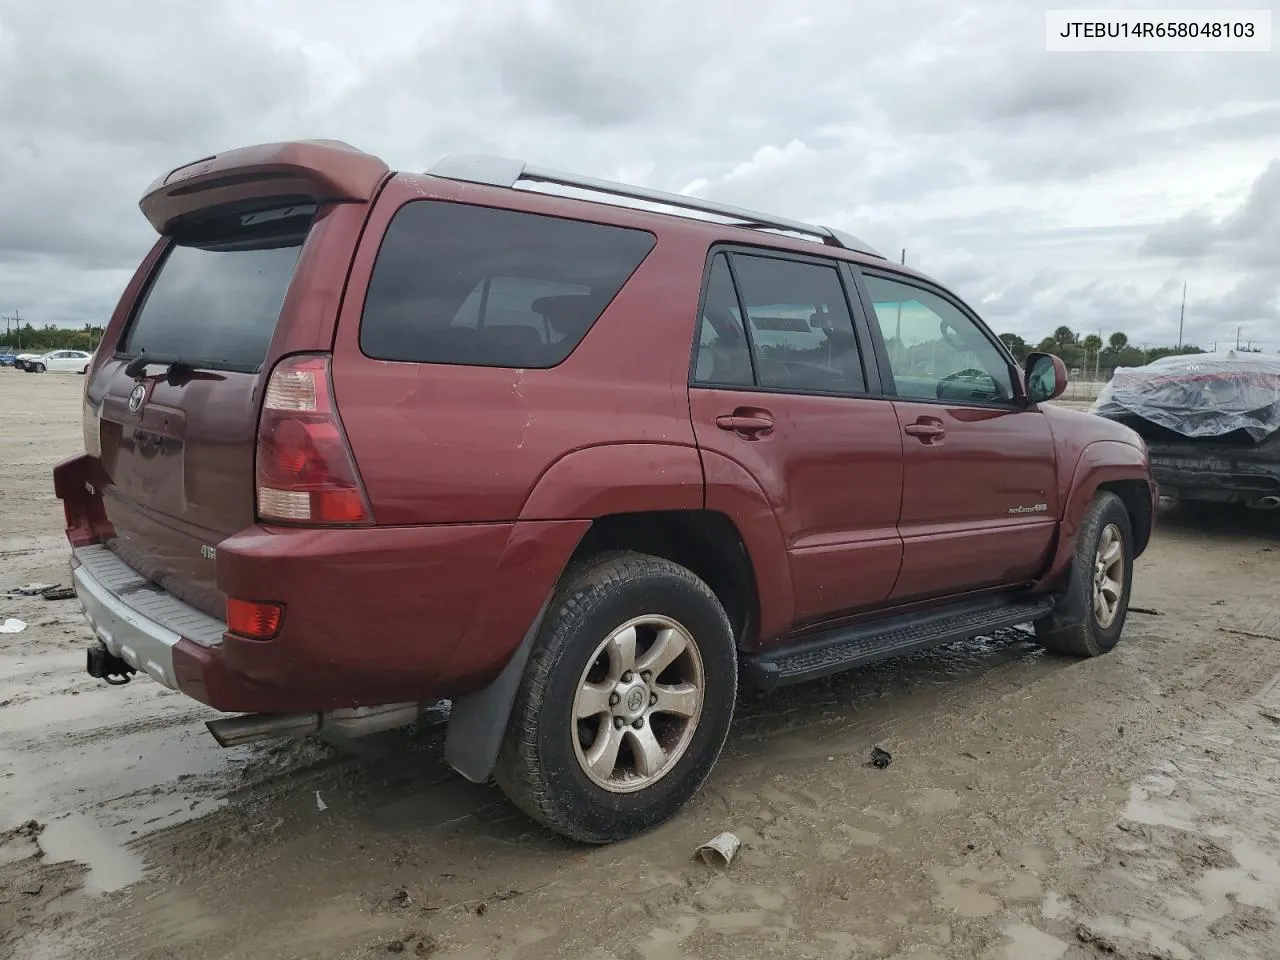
point(358, 441)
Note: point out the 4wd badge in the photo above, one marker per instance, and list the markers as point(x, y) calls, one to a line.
point(208, 552)
point(136, 397)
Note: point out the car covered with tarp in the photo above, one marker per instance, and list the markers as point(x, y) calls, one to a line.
point(1211, 422)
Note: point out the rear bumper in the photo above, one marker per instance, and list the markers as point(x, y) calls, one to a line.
point(134, 619)
point(1190, 470)
point(372, 616)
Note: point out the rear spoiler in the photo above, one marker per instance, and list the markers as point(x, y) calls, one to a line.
point(321, 170)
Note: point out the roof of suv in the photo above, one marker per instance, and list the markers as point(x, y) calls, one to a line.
point(334, 170)
point(505, 172)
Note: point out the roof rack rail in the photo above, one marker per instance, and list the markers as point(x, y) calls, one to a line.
point(506, 172)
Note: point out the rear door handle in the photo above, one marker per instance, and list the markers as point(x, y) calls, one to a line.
point(926, 431)
point(749, 425)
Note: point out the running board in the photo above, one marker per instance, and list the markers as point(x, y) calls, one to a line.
point(842, 648)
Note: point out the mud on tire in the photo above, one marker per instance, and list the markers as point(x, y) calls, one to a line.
point(1078, 625)
point(579, 665)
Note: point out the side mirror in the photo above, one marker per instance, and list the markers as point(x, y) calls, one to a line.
point(1046, 377)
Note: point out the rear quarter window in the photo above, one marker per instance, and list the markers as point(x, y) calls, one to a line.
point(461, 284)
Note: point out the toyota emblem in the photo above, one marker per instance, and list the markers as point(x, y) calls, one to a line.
point(136, 397)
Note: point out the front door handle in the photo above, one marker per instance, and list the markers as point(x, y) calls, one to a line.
point(746, 424)
point(926, 430)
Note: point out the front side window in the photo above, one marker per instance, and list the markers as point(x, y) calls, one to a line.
point(936, 351)
point(461, 284)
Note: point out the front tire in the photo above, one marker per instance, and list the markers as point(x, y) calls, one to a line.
point(626, 702)
point(38, 368)
point(1091, 611)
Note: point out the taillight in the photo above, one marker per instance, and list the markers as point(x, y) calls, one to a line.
point(306, 473)
point(257, 621)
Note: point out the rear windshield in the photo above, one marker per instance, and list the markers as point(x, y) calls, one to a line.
point(216, 297)
point(462, 284)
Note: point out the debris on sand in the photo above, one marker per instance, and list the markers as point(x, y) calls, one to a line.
point(880, 758)
point(720, 850)
point(12, 625)
point(31, 589)
point(401, 898)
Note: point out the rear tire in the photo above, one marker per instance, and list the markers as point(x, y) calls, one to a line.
point(662, 728)
point(1091, 611)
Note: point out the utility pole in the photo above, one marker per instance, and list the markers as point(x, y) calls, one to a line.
point(1238, 329)
point(1182, 313)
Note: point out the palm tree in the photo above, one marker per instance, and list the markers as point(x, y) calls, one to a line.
point(1092, 344)
point(1064, 336)
point(1118, 340)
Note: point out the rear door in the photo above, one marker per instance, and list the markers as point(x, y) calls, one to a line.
point(786, 396)
point(979, 497)
point(176, 436)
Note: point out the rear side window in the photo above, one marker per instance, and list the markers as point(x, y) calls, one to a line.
point(798, 334)
point(216, 297)
point(724, 356)
point(462, 284)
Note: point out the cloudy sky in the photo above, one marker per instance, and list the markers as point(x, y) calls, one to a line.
point(1045, 188)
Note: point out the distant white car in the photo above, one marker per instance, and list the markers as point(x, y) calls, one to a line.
point(58, 361)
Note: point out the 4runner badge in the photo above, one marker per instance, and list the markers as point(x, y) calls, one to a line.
point(208, 552)
point(1036, 508)
point(136, 397)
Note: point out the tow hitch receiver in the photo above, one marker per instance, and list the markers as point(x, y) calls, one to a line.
point(102, 664)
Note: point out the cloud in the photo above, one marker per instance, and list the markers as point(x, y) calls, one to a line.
point(1241, 244)
point(1045, 188)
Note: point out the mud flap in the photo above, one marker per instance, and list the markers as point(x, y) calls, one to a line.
point(477, 722)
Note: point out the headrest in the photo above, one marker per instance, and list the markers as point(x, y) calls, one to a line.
point(569, 314)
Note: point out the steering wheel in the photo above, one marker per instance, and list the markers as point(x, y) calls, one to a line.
point(969, 372)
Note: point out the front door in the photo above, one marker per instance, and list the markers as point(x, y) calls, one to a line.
point(979, 497)
point(785, 397)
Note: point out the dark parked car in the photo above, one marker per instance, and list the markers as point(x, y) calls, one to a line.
point(1211, 422)
point(358, 441)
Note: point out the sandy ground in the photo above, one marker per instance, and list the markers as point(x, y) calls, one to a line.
point(1036, 808)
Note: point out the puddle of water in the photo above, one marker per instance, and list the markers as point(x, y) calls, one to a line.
point(76, 837)
point(1055, 907)
point(1141, 809)
point(1029, 943)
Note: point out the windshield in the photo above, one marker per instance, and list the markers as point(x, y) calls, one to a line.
point(216, 297)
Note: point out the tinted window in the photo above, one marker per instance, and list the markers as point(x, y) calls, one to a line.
point(723, 354)
point(217, 295)
point(935, 350)
point(462, 284)
point(801, 329)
